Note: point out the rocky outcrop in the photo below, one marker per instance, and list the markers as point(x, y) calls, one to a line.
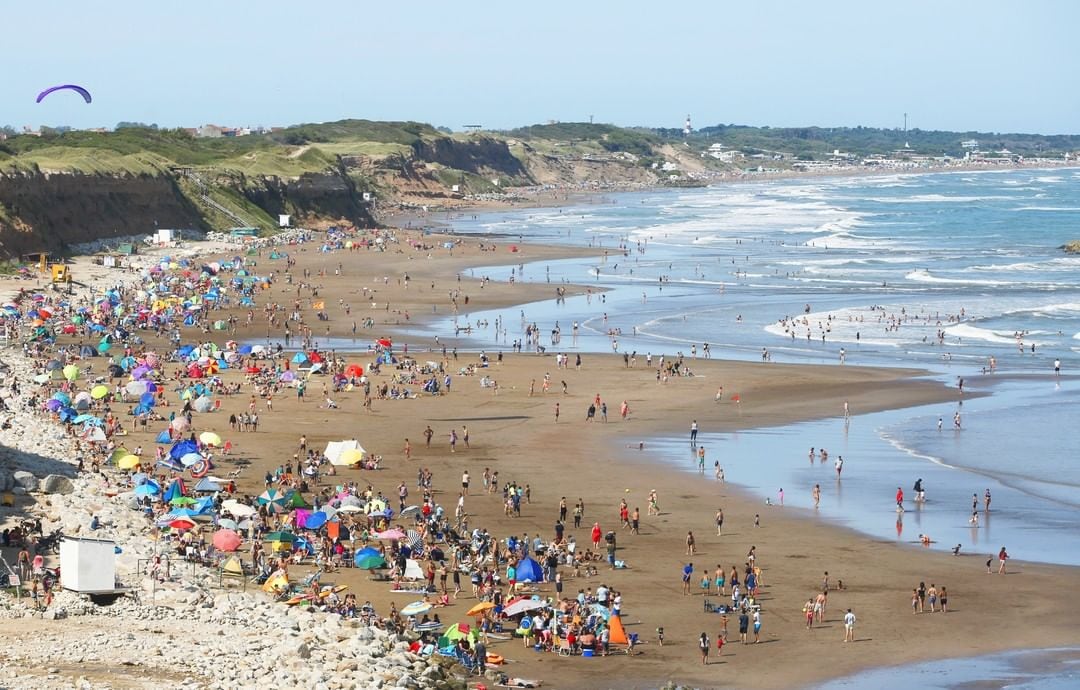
point(1072, 247)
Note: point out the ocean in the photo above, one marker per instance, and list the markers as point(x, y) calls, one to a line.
point(958, 273)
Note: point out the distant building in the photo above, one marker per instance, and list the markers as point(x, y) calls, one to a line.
point(687, 129)
point(211, 131)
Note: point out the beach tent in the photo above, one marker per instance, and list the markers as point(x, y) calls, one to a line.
point(295, 500)
point(207, 485)
point(336, 452)
point(458, 632)
point(616, 631)
point(529, 570)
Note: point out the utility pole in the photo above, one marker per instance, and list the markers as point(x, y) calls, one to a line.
point(590, 119)
point(905, 122)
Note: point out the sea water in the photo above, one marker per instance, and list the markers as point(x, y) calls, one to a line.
point(939, 271)
point(1040, 669)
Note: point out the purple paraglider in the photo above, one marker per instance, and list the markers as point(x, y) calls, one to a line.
point(78, 89)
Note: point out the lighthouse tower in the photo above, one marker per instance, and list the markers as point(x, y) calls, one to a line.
point(687, 128)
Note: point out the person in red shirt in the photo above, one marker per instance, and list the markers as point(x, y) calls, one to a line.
point(899, 499)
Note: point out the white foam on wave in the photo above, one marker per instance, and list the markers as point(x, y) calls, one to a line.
point(938, 199)
point(1057, 265)
point(1049, 209)
point(921, 275)
point(972, 332)
point(1058, 309)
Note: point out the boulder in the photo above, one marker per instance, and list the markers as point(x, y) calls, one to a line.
point(57, 484)
point(26, 480)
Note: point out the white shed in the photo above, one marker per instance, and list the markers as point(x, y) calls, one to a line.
point(88, 565)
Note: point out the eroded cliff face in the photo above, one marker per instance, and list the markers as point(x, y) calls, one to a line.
point(311, 197)
point(479, 156)
point(49, 212)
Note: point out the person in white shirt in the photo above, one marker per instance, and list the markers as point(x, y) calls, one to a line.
point(849, 626)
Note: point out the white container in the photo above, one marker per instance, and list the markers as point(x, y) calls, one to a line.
point(88, 565)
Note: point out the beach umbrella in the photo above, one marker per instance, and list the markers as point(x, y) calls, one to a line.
point(522, 606)
point(71, 372)
point(410, 510)
point(416, 608)
point(209, 438)
point(128, 462)
point(53, 365)
point(480, 608)
point(189, 459)
point(226, 523)
point(285, 537)
point(182, 501)
point(99, 392)
point(180, 424)
point(93, 433)
point(226, 540)
point(203, 404)
point(180, 513)
point(315, 520)
point(350, 509)
point(237, 508)
point(200, 469)
point(136, 387)
point(375, 505)
point(41, 378)
point(182, 523)
point(369, 561)
point(390, 535)
point(350, 456)
point(273, 499)
point(147, 489)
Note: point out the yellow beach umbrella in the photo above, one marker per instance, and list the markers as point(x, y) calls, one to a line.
point(209, 438)
point(71, 372)
point(351, 456)
point(128, 462)
point(119, 453)
point(99, 392)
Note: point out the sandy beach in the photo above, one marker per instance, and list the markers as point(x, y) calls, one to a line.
point(600, 463)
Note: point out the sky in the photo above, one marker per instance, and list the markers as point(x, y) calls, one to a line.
point(984, 65)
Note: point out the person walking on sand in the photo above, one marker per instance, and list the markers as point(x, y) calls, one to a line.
point(690, 545)
point(701, 459)
point(757, 626)
point(687, 573)
point(624, 410)
point(556, 413)
point(839, 465)
point(703, 646)
point(1002, 557)
point(408, 450)
point(817, 495)
point(719, 521)
point(453, 440)
point(693, 432)
point(849, 626)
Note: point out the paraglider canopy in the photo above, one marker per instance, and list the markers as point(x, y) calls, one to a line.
point(77, 89)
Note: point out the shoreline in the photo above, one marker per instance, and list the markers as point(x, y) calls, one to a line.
point(531, 450)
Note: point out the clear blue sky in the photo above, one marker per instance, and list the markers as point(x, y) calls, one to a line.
point(989, 65)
